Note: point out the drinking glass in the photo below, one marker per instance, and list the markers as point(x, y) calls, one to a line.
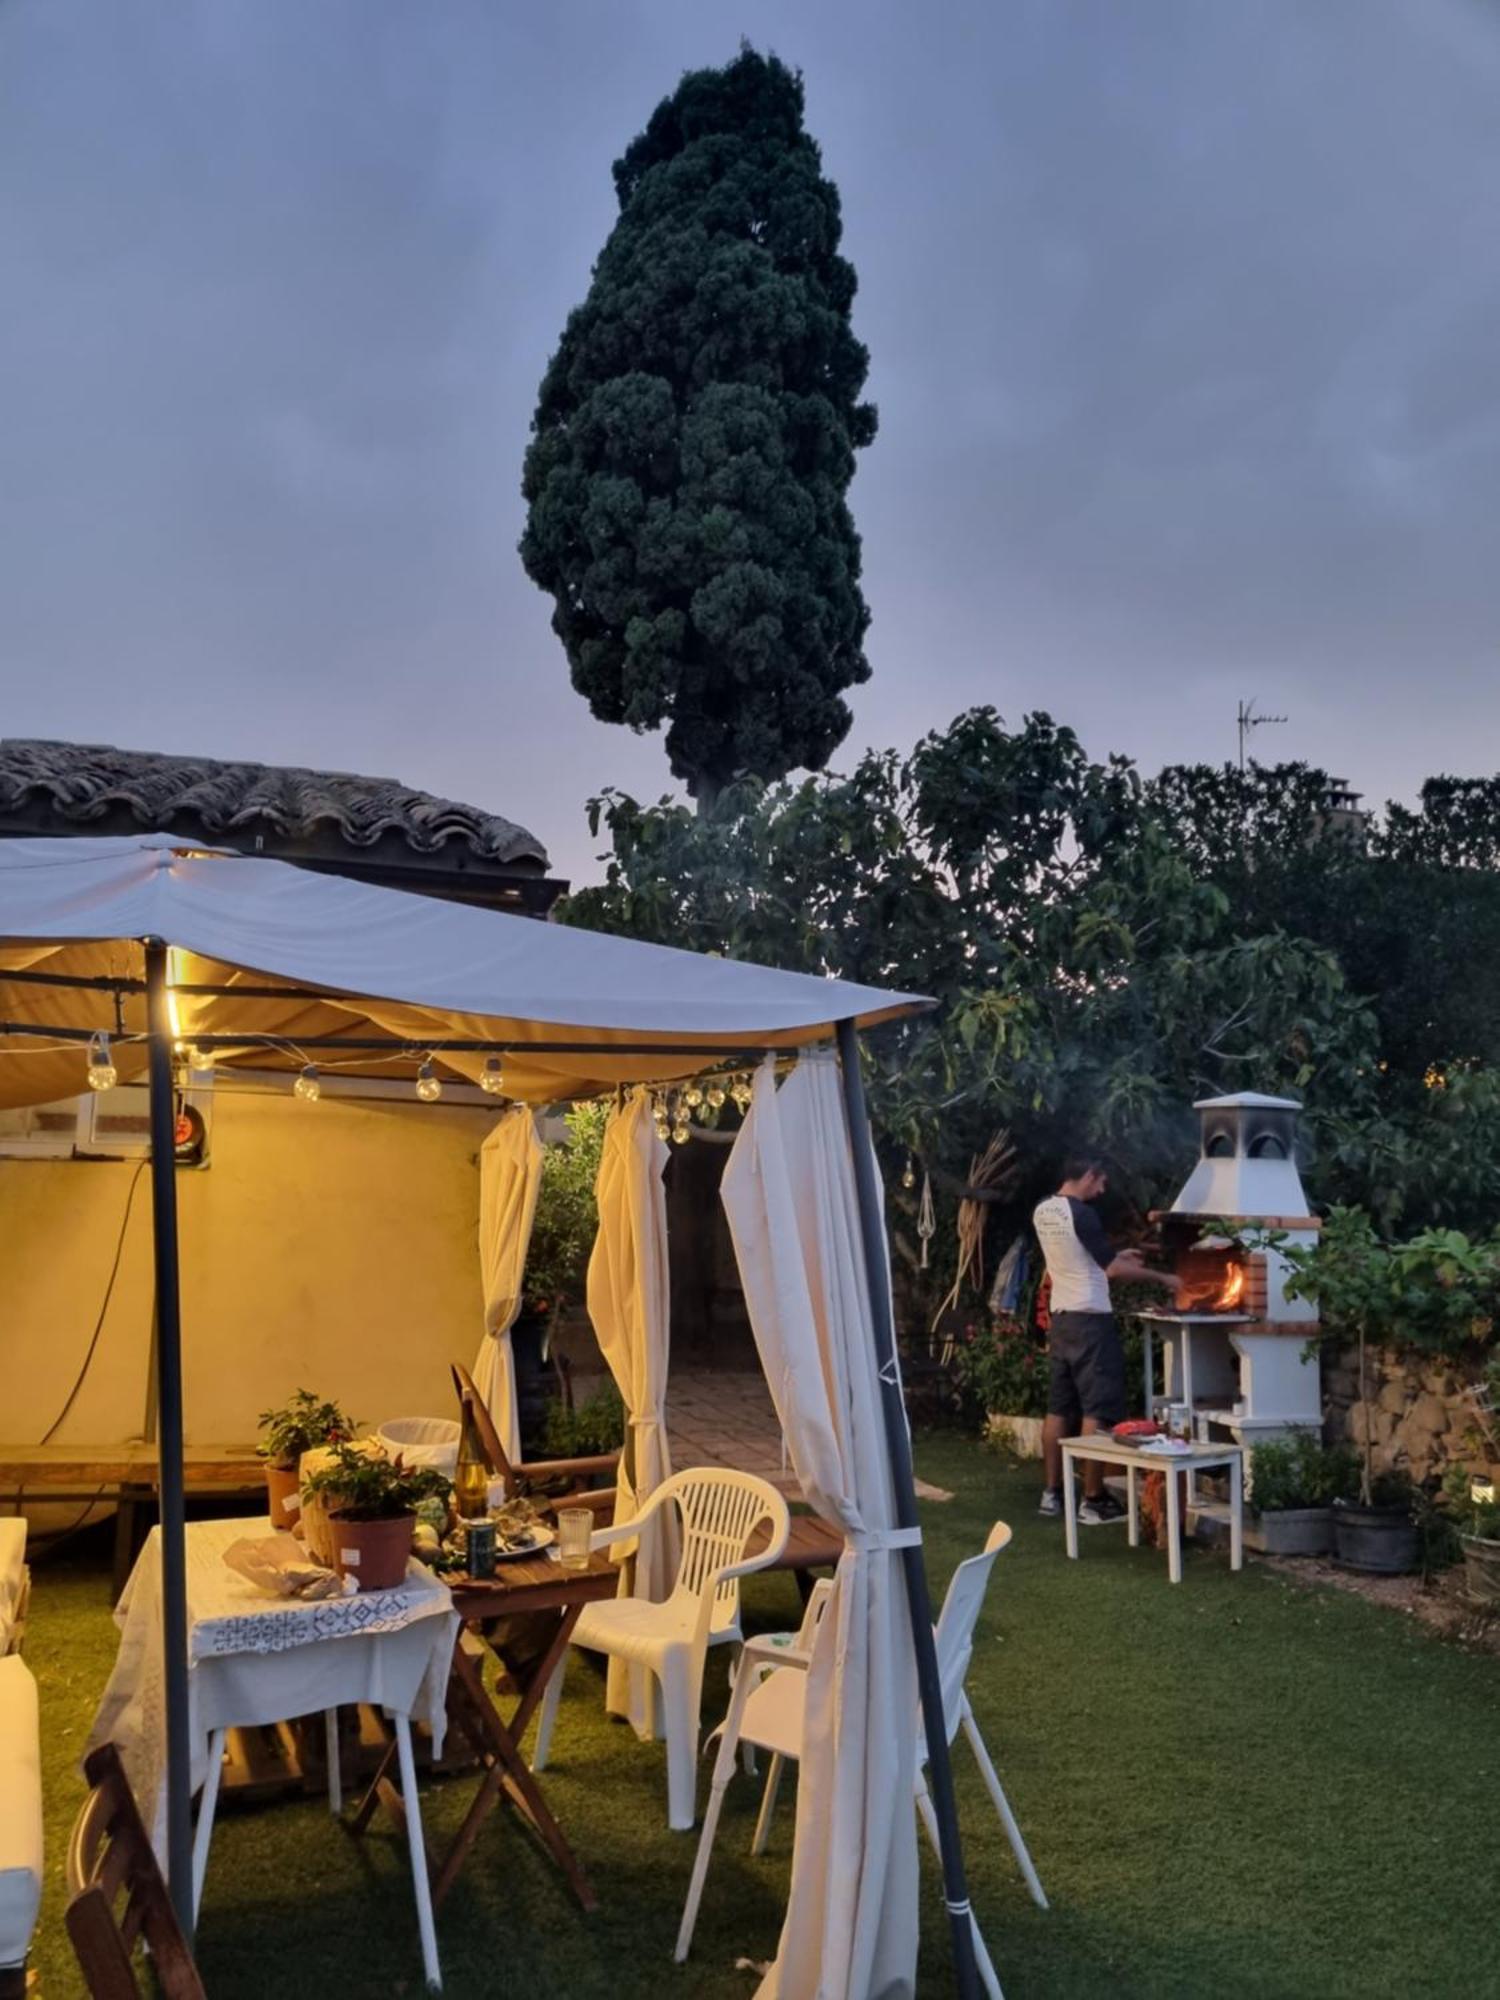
point(575, 1526)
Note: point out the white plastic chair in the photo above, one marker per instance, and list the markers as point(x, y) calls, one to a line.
point(766, 1710)
point(720, 1512)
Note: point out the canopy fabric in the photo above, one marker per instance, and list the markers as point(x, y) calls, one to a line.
point(789, 1192)
point(367, 961)
point(630, 1305)
point(510, 1173)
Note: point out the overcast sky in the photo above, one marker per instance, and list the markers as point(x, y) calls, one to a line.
point(1184, 318)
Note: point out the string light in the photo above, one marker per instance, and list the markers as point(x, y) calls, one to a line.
point(492, 1082)
point(909, 1177)
point(102, 1072)
point(741, 1093)
point(309, 1085)
point(716, 1097)
point(692, 1097)
point(681, 1134)
point(429, 1088)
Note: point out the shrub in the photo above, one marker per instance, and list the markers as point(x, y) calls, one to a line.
point(596, 1426)
point(1001, 1366)
point(1300, 1472)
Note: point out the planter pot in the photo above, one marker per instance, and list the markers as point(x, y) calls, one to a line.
point(1294, 1531)
point(1380, 1539)
point(283, 1495)
point(374, 1553)
point(1481, 1568)
point(1021, 1436)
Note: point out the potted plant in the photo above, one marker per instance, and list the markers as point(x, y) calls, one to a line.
point(1294, 1485)
point(1001, 1372)
point(300, 1425)
point(1476, 1514)
point(372, 1504)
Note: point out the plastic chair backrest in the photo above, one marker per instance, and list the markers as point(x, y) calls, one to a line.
point(720, 1511)
point(957, 1619)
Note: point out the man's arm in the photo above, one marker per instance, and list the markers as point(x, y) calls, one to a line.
point(1131, 1268)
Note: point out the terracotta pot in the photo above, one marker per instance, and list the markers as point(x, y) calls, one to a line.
point(283, 1495)
point(374, 1553)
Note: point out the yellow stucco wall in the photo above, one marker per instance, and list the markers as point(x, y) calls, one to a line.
point(328, 1246)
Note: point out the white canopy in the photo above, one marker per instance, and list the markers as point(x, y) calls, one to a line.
point(293, 958)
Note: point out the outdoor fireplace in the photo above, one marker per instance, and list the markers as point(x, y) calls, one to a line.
point(1235, 1345)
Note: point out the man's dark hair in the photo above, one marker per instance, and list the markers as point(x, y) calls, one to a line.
point(1076, 1165)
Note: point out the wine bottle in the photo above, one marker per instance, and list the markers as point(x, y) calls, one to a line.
point(471, 1476)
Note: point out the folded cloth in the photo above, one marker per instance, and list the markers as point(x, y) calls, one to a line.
point(279, 1565)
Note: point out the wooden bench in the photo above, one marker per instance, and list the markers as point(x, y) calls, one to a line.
point(128, 1475)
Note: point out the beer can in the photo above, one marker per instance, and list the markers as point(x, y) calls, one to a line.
point(481, 1548)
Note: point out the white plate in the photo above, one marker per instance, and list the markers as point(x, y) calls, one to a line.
point(541, 1538)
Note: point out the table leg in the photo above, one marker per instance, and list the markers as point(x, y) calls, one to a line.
point(1174, 1524)
point(207, 1806)
point(1236, 1512)
point(419, 1882)
point(1148, 1350)
point(334, 1761)
point(1070, 1505)
point(1133, 1509)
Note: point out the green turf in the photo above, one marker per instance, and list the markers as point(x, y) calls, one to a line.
point(1235, 1787)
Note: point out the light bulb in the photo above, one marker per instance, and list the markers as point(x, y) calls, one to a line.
point(429, 1088)
point(309, 1085)
point(909, 1177)
point(681, 1133)
point(692, 1097)
point(492, 1082)
point(102, 1072)
point(741, 1094)
point(716, 1097)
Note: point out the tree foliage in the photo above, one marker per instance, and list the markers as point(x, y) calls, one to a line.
point(694, 441)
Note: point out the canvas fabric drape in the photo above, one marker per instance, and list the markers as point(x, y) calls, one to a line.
point(510, 1173)
point(629, 1304)
point(851, 1923)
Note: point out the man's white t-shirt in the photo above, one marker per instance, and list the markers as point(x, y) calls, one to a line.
point(1077, 1253)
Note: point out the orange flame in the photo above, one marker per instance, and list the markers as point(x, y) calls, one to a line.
point(1234, 1289)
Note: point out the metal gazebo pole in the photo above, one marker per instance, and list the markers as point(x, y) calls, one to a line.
point(898, 1445)
point(169, 1433)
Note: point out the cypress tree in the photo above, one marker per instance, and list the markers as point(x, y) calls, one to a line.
point(694, 441)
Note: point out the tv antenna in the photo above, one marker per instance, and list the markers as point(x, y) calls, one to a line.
point(1246, 720)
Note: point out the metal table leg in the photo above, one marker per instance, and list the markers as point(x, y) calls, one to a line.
point(207, 1806)
point(1070, 1505)
point(420, 1884)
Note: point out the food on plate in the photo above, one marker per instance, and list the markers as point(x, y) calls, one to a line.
point(1136, 1427)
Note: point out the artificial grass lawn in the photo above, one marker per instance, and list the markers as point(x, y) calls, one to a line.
point(1239, 1786)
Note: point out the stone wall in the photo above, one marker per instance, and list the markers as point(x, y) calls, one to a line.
point(1421, 1419)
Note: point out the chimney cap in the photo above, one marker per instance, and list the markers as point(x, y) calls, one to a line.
point(1247, 1100)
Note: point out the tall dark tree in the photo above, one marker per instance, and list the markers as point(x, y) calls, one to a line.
point(694, 442)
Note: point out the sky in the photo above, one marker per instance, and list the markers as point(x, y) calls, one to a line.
point(1182, 319)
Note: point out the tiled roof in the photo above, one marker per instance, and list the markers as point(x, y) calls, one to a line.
point(85, 783)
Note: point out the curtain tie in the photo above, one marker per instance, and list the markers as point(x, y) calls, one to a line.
point(875, 1541)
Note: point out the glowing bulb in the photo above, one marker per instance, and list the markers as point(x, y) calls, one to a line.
point(716, 1097)
point(429, 1088)
point(692, 1097)
point(681, 1134)
point(741, 1094)
point(102, 1072)
point(909, 1178)
point(309, 1085)
point(492, 1082)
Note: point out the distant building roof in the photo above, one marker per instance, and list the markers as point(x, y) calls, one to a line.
point(376, 828)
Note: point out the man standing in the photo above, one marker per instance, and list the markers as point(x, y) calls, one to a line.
point(1087, 1391)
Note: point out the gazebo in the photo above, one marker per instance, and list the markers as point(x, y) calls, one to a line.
point(136, 953)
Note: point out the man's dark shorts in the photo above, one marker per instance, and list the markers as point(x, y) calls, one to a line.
point(1088, 1369)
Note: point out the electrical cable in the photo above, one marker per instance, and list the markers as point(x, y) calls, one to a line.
point(109, 1292)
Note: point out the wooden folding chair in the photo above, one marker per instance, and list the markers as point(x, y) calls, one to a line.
point(108, 1854)
point(542, 1479)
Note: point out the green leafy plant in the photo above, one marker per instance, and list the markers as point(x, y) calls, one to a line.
point(1001, 1368)
point(298, 1425)
point(365, 1486)
point(595, 1426)
point(1302, 1472)
point(567, 1214)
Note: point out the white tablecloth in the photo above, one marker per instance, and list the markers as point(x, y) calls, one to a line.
point(255, 1659)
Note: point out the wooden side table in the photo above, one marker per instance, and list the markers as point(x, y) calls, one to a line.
point(1198, 1458)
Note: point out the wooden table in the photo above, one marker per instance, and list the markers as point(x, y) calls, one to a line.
point(549, 1598)
point(128, 1474)
point(813, 1543)
point(1197, 1458)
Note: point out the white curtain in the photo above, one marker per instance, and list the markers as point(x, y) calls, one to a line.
point(510, 1172)
point(851, 1922)
point(629, 1304)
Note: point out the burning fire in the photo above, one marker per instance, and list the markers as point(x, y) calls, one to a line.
point(1233, 1290)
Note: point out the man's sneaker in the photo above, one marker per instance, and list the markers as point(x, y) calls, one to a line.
point(1051, 1502)
point(1095, 1513)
